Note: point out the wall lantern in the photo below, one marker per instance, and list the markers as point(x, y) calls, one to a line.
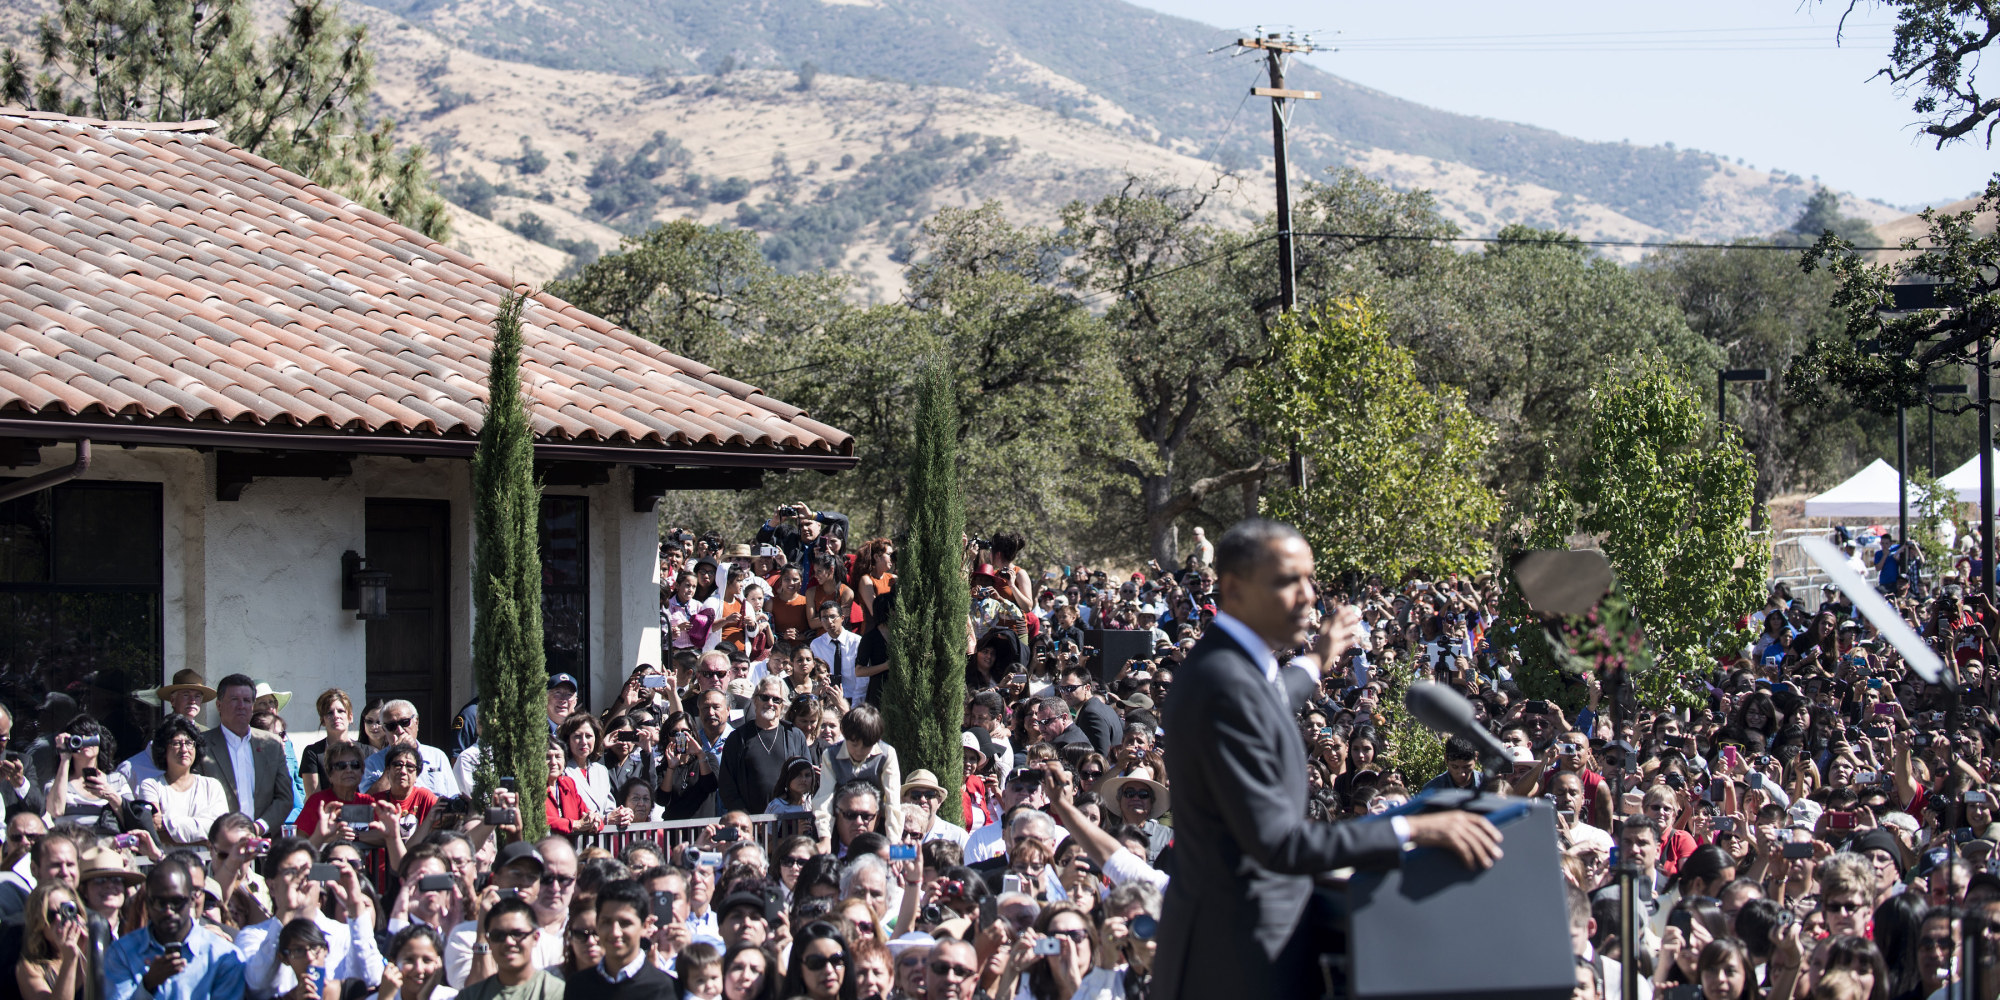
point(363, 591)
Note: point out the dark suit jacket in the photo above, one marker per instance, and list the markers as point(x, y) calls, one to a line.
point(271, 788)
point(652, 983)
point(1244, 854)
point(1101, 725)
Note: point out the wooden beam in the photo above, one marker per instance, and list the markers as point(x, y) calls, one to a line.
point(235, 470)
point(1278, 44)
point(1290, 95)
point(557, 473)
point(649, 481)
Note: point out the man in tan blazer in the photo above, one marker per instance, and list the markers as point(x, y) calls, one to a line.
point(250, 763)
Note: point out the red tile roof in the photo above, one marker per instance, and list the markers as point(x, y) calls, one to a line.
point(158, 275)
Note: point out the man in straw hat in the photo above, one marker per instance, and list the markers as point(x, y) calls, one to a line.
point(1137, 800)
point(922, 795)
point(185, 696)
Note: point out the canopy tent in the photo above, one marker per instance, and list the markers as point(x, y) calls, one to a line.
point(1964, 480)
point(1868, 493)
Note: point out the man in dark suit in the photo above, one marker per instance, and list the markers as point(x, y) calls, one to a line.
point(1241, 915)
point(1053, 724)
point(1098, 722)
point(250, 763)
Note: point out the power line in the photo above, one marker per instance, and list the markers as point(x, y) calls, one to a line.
point(1156, 275)
point(1644, 244)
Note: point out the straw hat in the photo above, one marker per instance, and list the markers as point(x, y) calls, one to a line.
point(100, 863)
point(1108, 790)
point(921, 778)
point(284, 697)
point(185, 680)
point(741, 551)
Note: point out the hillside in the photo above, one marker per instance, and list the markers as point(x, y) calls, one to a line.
point(1136, 73)
point(834, 127)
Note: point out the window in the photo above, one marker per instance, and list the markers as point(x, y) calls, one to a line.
point(565, 546)
point(80, 571)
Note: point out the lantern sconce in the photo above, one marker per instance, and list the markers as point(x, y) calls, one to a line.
point(363, 591)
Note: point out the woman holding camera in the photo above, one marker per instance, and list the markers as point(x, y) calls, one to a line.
point(82, 789)
point(55, 948)
point(187, 803)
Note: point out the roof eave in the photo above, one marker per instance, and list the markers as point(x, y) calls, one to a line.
point(408, 445)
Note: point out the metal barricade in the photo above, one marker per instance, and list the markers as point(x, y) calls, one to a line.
point(669, 835)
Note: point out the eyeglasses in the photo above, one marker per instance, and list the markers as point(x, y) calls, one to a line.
point(398, 725)
point(1141, 792)
point(793, 861)
point(344, 765)
point(771, 699)
point(559, 881)
point(1076, 935)
point(1834, 906)
point(171, 904)
point(1067, 688)
point(401, 765)
point(942, 968)
point(582, 933)
point(857, 817)
point(717, 674)
point(181, 743)
point(818, 963)
point(1051, 720)
point(500, 935)
point(1938, 942)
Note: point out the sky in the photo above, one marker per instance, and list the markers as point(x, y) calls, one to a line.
point(1763, 80)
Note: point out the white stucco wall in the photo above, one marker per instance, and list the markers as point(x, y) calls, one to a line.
point(253, 585)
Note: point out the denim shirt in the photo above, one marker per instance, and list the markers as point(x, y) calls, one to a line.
point(214, 968)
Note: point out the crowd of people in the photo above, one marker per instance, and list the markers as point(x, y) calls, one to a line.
point(1810, 820)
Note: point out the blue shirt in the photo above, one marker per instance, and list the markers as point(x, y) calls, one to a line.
point(214, 969)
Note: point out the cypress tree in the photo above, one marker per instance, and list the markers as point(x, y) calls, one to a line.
point(507, 583)
point(924, 700)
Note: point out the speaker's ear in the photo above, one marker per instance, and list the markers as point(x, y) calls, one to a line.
point(1561, 583)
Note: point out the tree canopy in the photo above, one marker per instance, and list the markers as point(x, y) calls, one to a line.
point(298, 97)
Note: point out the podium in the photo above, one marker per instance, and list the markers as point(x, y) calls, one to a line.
point(1435, 929)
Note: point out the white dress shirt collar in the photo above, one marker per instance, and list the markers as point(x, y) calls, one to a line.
point(1252, 643)
point(627, 972)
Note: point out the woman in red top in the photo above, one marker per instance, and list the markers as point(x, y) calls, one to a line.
point(567, 812)
point(319, 819)
point(398, 787)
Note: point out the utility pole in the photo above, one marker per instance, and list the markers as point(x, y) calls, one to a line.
point(1276, 47)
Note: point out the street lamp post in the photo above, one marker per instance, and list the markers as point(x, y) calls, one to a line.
point(1727, 375)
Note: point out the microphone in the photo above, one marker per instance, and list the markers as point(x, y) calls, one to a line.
point(1443, 710)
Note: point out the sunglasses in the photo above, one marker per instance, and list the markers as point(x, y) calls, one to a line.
point(398, 725)
point(1128, 792)
point(857, 817)
point(954, 971)
point(818, 963)
point(344, 765)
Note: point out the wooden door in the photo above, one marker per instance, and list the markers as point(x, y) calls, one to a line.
point(409, 653)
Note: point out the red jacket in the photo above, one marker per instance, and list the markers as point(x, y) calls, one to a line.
point(565, 806)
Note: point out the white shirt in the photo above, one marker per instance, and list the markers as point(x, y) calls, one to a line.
point(638, 962)
point(941, 830)
point(245, 767)
point(985, 844)
point(854, 688)
point(350, 954)
point(458, 951)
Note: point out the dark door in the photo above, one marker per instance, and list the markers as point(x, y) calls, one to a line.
point(409, 653)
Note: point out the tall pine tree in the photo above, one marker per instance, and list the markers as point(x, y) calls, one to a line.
point(507, 583)
point(924, 699)
point(298, 98)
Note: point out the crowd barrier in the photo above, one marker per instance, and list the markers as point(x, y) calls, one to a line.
point(765, 828)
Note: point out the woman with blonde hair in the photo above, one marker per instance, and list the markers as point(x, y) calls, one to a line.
point(54, 953)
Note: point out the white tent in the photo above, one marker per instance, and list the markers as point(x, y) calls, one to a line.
point(1869, 493)
point(1964, 480)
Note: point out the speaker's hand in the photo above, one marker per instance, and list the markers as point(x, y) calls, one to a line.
point(1475, 841)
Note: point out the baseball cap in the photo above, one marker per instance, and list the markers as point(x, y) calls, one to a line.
point(517, 851)
point(558, 680)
